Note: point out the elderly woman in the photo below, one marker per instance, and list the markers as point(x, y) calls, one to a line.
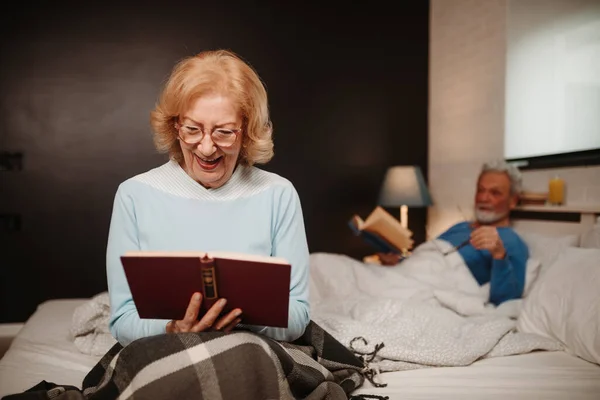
point(212, 119)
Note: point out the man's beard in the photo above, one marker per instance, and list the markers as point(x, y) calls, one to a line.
point(488, 216)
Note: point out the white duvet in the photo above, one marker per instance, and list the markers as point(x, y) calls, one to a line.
point(426, 311)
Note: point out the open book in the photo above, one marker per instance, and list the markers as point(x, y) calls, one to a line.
point(162, 284)
point(382, 231)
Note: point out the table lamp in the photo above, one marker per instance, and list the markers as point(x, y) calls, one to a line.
point(404, 186)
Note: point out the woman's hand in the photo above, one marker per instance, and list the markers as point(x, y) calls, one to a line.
point(210, 321)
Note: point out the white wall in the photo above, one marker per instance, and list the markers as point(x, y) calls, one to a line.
point(466, 110)
point(466, 101)
point(552, 77)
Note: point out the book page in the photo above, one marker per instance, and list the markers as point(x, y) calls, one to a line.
point(247, 257)
point(212, 254)
point(357, 222)
point(382, 223)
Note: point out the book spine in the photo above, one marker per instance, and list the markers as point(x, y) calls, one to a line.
point(209, 282)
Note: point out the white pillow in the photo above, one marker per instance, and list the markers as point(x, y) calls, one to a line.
point(546, 248)
point(564, 303)
point(532, 271)
point(591, 238)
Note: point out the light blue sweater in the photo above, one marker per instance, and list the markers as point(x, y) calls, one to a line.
point(255, 212)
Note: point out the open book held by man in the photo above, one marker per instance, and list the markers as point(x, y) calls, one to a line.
point(382, 231)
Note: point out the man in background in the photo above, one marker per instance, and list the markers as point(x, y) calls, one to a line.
point(491, 249)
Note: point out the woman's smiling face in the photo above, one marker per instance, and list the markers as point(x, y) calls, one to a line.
point(207, 162)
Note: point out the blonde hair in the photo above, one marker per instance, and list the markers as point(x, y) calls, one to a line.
point(215, 71)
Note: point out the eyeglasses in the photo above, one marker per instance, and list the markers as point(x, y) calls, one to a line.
point(450, 250)
point(191, 135)
point(456, 248)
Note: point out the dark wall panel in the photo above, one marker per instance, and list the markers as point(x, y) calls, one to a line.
point(348, 95)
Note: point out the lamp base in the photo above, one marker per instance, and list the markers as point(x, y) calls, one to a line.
point(404, 216)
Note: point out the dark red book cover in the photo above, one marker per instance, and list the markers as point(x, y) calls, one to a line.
point(162, 284)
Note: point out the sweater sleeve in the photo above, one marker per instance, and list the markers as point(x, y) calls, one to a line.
point(289, 241)
point(508, 274)
point(125, 323)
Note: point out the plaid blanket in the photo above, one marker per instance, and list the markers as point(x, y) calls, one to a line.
point(215, 365)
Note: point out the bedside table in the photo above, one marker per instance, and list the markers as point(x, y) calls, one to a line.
point(7, 334)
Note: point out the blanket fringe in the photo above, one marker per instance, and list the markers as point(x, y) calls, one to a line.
point(368, 371)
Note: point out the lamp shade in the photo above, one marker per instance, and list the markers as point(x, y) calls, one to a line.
point(404, 186)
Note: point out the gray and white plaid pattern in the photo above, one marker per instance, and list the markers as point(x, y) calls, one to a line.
point(216, 365)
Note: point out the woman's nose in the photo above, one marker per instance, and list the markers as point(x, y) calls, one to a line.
point(207, 146)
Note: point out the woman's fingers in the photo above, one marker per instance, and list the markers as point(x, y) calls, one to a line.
point(228, 319)
point(209, 321)
point(211, 316)
point(191, 314)
point(232, 325)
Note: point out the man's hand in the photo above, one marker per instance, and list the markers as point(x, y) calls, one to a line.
point(389, 258)
point(210, 321)
point(486, 237)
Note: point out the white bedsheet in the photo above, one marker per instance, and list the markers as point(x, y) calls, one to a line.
point(44, 350)
point(539, 375)
point(428, 311)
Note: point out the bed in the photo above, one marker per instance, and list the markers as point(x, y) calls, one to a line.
point(45, 350)
point(540, 375)
point(557, 355)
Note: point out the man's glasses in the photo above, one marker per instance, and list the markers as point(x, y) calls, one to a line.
point(450, 250)
point(455, 248)
point(191, 135)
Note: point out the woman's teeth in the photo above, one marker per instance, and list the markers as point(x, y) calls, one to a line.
point(207, 163)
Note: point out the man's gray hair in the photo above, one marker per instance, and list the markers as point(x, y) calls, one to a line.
point(516, 180)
